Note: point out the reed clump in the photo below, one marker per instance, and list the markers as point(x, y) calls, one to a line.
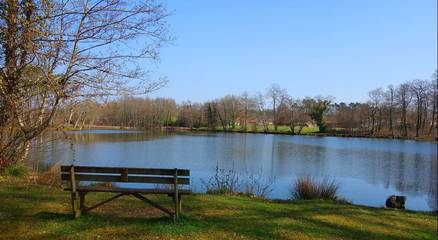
point(307, 188)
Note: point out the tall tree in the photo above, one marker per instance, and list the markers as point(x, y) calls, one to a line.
point(211, 117)
point(433, 98)
point(390, 100)
point(277, 96)
point(404, 99)
point(262, 114)
point(377, 97)
point(54, 50)
point(245, 103)
point(317, 108)
point(418, 90)
point(295, 114)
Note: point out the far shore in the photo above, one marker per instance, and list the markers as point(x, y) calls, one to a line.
point(308, 132)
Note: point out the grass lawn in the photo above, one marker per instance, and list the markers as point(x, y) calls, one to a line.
point(271, 129)
point(39, 212)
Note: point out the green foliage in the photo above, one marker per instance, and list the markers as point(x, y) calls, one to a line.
point(317, 110)
point(16, 170)
point(218, 191)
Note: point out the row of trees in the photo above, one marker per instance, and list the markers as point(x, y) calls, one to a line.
point(409, 109)
point(406, 110)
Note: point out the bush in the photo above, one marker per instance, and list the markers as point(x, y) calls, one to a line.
point(256, 185)
point(50, 177)
point(222, 182)
point(16, 170)
point(228, 182)
point(306, 188)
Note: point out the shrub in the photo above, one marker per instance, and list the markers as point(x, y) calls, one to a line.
point(16, 170)
point(222, 182)
point(306, 188)
point(256, 185)
point(51, 177)
point(228, 182)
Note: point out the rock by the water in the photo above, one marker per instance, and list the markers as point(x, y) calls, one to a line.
point(396, 202)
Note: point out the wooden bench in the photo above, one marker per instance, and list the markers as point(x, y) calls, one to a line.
point(170, 178)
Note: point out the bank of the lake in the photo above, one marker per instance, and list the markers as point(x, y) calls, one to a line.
point(30, 211)
point(305, 132)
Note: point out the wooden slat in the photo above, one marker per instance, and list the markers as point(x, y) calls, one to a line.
point(132, 179)
point(124, 174)
point(146, 171)
point(130, 190)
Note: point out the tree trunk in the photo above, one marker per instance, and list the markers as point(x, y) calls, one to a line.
point(391, 106)
point(77, 120)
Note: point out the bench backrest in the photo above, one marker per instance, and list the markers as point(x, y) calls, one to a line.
point(131, 175)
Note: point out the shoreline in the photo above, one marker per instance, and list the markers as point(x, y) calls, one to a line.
point(313, 134)
point(328, 134)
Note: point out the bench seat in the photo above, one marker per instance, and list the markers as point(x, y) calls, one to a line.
point(128, 190)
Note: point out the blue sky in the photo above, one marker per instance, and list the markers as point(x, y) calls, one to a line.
point(342, 48)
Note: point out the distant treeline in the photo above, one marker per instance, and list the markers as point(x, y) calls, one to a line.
point(406, 110)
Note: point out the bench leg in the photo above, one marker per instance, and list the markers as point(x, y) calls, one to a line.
point(179, 204)
point(176, 206)
point(82, 202)
point(75, 204)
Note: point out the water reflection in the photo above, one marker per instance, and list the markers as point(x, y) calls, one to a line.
point(368, 169)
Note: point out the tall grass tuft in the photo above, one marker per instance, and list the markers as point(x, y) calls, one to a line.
point(306, 188)
point(50, 177)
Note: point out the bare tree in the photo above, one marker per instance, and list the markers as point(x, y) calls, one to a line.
point(296, 115)
point(245, 103)
point(418, 90)
point(211, 116)
point(433, 98)
point(227, 110)
point(377, 97)
point(404, 99)
point(262, 111)
point(277, 96)
point(390, 102)
point(54, 50)
point(221, 111)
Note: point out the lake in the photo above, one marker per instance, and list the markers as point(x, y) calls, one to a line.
point(368, 170)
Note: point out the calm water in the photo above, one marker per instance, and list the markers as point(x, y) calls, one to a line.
point(368, 170)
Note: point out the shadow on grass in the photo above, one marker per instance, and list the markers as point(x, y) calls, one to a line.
point(65, 225)
point(274, 223)
point(203, 215)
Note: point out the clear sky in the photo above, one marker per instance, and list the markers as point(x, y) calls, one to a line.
point(342, 48)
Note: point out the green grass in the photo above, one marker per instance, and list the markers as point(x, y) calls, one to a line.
point(271, 129)
point(39, 212)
